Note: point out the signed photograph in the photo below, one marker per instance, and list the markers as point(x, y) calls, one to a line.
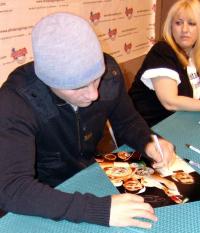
point(131, 173)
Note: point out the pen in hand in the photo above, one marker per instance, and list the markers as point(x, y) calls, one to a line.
point(157, 145)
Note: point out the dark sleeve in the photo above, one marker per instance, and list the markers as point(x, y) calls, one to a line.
point(129, 127)
point(20, 192)
point(161, 55)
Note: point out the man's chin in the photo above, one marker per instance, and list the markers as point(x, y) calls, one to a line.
point(84, 105)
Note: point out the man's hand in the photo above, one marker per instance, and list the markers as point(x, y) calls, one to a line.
point(169, 154)
point(127, 208)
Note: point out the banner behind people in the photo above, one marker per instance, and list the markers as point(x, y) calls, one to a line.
point(126, 29)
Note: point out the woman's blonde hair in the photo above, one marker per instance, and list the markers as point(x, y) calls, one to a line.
point(193, 8)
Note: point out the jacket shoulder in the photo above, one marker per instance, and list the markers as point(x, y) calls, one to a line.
point(110, 62)
point(112, 68)
point(24, 82)
point(162, 48)
point(112, 80)
point(21, 77)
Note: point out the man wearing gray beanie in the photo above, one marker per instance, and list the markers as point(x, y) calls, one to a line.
point(53, 113)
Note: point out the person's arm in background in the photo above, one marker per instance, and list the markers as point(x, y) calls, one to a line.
point(163, 72)
point(167, 92)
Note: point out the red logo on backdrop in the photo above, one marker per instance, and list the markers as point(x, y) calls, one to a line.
point(95, 17)
point(19, 55)
point(129, 12)
point(154, 7)
point(127, 47)
point(112, 33)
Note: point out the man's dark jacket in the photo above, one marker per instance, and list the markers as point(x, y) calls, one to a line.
point(44, 141)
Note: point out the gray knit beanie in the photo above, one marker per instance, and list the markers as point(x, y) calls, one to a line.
point(67, 53)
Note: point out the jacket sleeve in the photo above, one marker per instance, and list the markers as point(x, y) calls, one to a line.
point(128, 125)
point(20, 191)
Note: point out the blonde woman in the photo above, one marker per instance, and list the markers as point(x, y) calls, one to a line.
point(168, 79)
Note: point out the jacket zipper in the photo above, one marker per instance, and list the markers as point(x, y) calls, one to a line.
point(78, 129)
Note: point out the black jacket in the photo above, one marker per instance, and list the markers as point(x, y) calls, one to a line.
point(43, 141)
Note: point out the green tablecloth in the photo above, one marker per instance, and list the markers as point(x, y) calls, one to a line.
point(180, 128)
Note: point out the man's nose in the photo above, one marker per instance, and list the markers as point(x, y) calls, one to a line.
point(92, 92)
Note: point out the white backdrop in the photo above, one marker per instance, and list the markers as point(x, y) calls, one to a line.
point(126, 28)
